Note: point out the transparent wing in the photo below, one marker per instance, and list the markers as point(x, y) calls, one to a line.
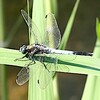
point(46, 74)
point(59, 65)
point(32, 27)
point(22, 76)
point(52, 31)
point(45, 77)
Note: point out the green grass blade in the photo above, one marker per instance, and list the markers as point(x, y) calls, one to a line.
point(91, 91)
point(13, 31)
point(38, 16)
point(69, 26)
point(3, 82)
point(98, 28)
point(81, 64)
point(1, 23)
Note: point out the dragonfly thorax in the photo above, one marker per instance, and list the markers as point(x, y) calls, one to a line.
point(33, 49)
point(41, 48)
point(26, 49)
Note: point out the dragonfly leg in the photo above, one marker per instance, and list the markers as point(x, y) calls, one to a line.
point(42, 61)
point(27, 65)
point(21, 57)
point(32, 58)
point(45, 66)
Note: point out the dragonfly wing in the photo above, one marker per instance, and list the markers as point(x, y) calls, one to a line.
point(32, 27)
point(22, 76)
point(55, 63)
point(45, 77)
point(52, 31)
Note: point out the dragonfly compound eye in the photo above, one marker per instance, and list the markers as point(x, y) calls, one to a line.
point(23, 49)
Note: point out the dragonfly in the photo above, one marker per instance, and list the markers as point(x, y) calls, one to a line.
point(42, 46)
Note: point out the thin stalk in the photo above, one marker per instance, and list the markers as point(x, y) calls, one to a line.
point(51, 7)
point(2, 67)
point(15, 28)
point(13, 31)
point(91, 91)
point(35, 92)
point(69, 26)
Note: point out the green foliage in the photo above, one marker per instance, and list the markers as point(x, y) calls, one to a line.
point(98, 28)
point(91, 91)
point(69, 26)
point(65, 63)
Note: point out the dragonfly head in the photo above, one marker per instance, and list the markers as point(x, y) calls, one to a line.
point(23, 49)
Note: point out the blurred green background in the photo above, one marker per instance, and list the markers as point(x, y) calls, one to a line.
point(82, 38)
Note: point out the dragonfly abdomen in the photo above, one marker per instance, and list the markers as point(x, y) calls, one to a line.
point(54, 51)
point(82, 53)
